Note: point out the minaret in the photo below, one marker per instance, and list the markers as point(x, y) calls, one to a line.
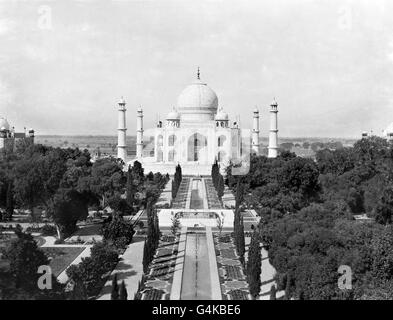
point(273, 130)
point(31, 135)
point(122, 131)
point(255, 132)
point(139, 133)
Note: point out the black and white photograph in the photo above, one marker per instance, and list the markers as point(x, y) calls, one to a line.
point(205, 152)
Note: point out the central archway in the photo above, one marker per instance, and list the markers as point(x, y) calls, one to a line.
point(197, 148)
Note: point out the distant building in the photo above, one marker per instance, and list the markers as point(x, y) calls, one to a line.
point(9, 138)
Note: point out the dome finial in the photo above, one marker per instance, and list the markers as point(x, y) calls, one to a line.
point(198, 74)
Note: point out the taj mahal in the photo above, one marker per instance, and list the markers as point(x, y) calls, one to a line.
point(195, 134)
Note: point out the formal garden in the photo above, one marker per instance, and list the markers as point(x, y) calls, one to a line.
point(231, 273)
point(156, 283)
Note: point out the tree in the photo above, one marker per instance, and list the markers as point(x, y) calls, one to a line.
point(299, 175)
point(254, 266)
point(9, 202)
point(176, 181)
point(24, 258)
point(115, 288)
point(92, 269)
point(287, 146)
point(384, 209)
point(29, 188)
point(220, 187)
point(107, 178)
point(241, 247)
point(173, 189)
point(382, 253)
point(41, 173)
point(146, 257)
point(137, 173)
point(273, 292)
point(131, 188)
point(237, 223)
point(152, 238)
point(119, 205)
point(220, 225)
point(175, 225)
point(371, 150)
point(215, 173)
point(150, 176)
point(118, 231)
point(78, 290)
point(69, 206)
point(123, 291)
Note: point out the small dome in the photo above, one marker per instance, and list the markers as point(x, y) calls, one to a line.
point(173, 115)
point(4, 125)
point(256, 110)
point(122, 101)
point(274, 103)
point(389, 129)
point(221, 115)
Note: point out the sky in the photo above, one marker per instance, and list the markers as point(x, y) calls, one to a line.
point(64, 64)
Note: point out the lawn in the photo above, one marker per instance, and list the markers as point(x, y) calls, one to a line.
point(89, 230)
point(61, 257)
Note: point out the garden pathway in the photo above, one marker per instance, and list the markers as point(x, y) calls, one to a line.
point(267, 274)
point(129, 269)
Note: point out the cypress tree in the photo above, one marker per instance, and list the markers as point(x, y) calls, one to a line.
point(241, 240)
point(130, 188)
point(288, 287)
point(115, 288)
point(9, 201)
point(175, 182)
point(180, 173)
point(254, 263)
point(157, 228)
point(273, 292)
point(215, 174)
point(150, 232)
point(78, 291)
point(220, 187)
point(123, 291)
point(174, 188)
point(145, 261)
point(137, 172)
point(236, 220)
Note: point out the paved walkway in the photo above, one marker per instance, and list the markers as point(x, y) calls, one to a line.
point(178, 273)
point(166, 195)
point(267, 274)
point(228, 199)
point(129, 269)
point(49, 241)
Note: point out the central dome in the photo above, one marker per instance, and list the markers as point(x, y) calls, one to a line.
point(197, 102)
